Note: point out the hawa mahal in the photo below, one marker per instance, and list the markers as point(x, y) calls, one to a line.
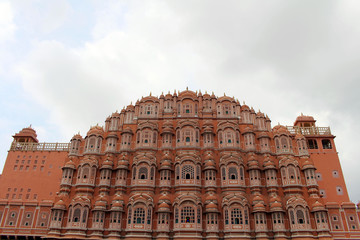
point(180, 166)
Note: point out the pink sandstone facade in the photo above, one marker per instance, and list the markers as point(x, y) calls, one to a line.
point(181, 166)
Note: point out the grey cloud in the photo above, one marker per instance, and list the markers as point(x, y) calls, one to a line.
point(284, 57)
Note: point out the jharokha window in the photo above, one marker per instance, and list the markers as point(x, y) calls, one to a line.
point(299, 218)
point(188, 216)
point(139, 217)
point(232, 175)
point(187, 136)
point(236, 217)
point(143, 174)
point(148, 110)
point(187, 173)
point(146, 138)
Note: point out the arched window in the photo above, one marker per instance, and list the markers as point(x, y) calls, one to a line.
point(236, 216)
point(187, 172)
point(233, 174)
point(223, 173)
point(300, 217)
point(143, 173)
point(139, 216)
point(187, 214)
point(85, 172)
point(177, 172)
point(76, 216)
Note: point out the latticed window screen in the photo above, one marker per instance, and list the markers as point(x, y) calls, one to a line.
point(176, 215)
point(292, 217)
point(223, 173)
point(149, 216)
point(300, 216)
point(152, 173)
point(139, 216)
point(76, 217)
point(226, 217)
point(129, 215)
point(236, 216)
point(187, 215)
point(187, 172)
point(198, 215)
point(177, 171)
point(233, 174)
point(84, 216)
point(143, 173)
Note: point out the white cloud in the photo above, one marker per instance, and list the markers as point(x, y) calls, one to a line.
point(7, 25)
point(282, 57)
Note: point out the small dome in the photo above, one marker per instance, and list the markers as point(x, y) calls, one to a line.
point(165, 163)
point(211, 205)
point(211, 197)
point(96, 130)
point(107, 164)
point(308, 164)
point(164, 205)
point(127, 130)
point(164, 197)
point(260, 114)
point(317, 206)
point(245, 107)
point(116, 204)
point(258, 198)
point(248, 130)
point(299, 136)
point(275, 206)
point(259, 207)
point(100, 204)
point(280, 129)
point(27, 132)
point(269, 164)
point(76, 137)
point(263, 135)
point(60, 204)
point(70, 164)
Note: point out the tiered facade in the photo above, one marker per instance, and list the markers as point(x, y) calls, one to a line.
point(193, 166)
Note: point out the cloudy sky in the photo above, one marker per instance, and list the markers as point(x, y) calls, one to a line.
point(67, 65)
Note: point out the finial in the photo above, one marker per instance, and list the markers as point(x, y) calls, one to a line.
point(131, 103)
point(187, 88)
point(243, 102)
point(224, 95)
point(30, 126)
point(150, 93)
point(302, 114)
point(206, 92)
point(169, 92)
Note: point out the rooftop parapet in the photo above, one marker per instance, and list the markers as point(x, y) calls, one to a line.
point(306, 131)
point(20, 146)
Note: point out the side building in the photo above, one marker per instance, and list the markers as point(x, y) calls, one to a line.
point(181, 166)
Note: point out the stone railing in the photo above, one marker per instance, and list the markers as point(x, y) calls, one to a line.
point(309, 130)
point(21, 146)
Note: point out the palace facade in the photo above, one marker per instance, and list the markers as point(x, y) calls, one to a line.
point(180, 166)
